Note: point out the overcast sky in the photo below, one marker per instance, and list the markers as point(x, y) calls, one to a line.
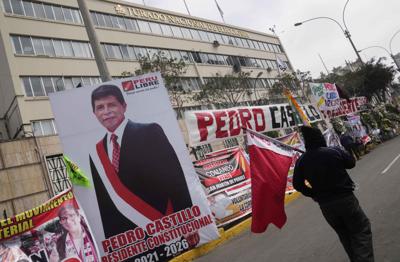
point(370, 22)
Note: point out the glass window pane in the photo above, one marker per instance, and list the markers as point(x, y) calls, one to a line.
point(48, 85)
point(117, 51)
point(114, 21)
point(37, 129)
point(152, 52)
point(68, 83)
point(77, 49)
point(39, 10)
point(186, 33)
point(225, 39)
point(37, 86)
point(204, 36)
point(219, 38)
point(129, 25)
point(109, 23)
point(58, 13)
point(47, 127)
point(68, 48)
point(94, 18)
point(67, 14)
point(48, 47)
point(176, 55)
point(140, 52)
point(246, 43)
point(100, 18)
point(185, 56)
point(166, 29)
point(211, 36)
point(109, 51)
point(58, 48)
point(28, 8)
point(76, 15)
point(26, 45)
point(76, 81)
point(86, 81)
point(177, 31)
point(131, 53)
point(7, 6)
point(195, 34)
point(121, 23)
point(49, 12)
point(144, 26)
point(155, 28)
point(27, 86)
point(17, 44)
point(124, 51)
point(166, 54)
point(87, 50)
point(17, 7)
point(37, 44)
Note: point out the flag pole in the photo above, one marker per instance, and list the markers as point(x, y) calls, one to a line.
point(271, 139)
point(187, 9)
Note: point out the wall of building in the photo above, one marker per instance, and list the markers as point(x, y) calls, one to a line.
point(24, 178)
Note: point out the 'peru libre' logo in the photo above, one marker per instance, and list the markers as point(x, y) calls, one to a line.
point(140, 83)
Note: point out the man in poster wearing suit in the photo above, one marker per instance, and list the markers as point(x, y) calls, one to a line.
point(140, 166)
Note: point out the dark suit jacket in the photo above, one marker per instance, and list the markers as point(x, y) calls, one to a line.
point(149, 168)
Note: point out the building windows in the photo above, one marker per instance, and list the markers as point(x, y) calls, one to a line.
point(27, 45)
point(44, 85)
point(42, 11)
point(44, 127)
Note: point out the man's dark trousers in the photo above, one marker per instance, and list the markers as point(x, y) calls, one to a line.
point(351, 224)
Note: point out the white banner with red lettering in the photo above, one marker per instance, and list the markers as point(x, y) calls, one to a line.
point(211, 125)
point(353, 105)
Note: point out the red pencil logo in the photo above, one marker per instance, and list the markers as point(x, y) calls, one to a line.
point(128, 86)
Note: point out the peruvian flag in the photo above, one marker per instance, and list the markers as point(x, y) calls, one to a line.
point(269, 166)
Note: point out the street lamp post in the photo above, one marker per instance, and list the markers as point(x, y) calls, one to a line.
point(344, 30)
point(387, 51)
point(390, 51)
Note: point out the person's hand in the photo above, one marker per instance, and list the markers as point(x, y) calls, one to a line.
point(54, 256)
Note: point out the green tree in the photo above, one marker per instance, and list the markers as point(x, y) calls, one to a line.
point(171, 70)
point(225, 90)
point(371, 79)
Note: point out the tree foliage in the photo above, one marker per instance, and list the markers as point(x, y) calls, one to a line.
point(171, 70)
point(370, 79)
point(225, 90)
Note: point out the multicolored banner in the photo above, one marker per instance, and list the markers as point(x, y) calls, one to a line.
point(57, 230)
point(353, 105)
point(325, 95)
point(225, 176)
point(146, 203)
point(211, 125)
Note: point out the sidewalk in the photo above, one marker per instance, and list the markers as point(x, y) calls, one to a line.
point(225, 235)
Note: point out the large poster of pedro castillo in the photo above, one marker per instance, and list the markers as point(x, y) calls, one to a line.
point(146, 201)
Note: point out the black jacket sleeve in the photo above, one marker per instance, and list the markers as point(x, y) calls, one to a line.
point(299, 180)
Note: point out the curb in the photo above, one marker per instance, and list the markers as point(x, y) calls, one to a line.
point(225, 235)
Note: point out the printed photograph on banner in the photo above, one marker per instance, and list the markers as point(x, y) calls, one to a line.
point(225, 176)
point(146, 201)
point(55, 231)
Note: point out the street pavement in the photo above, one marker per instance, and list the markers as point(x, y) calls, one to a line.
point(307, 236)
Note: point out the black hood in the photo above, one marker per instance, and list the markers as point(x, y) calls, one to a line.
point(313, 137)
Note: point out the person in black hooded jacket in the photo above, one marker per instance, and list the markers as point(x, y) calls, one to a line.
point(320, 173)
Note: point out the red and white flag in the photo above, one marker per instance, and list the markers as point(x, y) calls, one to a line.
point(269, 166)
